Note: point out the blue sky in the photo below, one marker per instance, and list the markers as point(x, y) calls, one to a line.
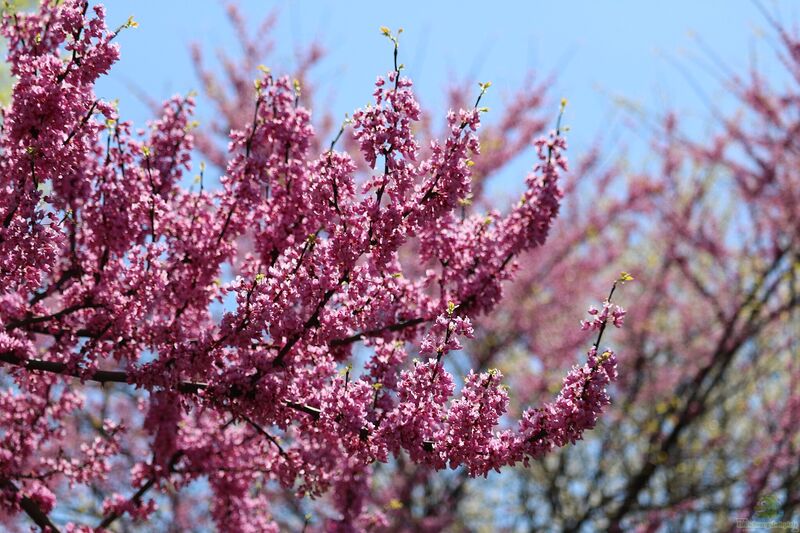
point(600, 50)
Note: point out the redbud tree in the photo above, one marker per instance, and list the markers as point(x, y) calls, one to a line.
point(180, 352)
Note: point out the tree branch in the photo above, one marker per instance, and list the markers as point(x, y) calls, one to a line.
point(32, 509)
point(119, 376)
point(377, 331)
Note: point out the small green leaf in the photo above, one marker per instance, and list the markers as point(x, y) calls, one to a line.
point(624, 276)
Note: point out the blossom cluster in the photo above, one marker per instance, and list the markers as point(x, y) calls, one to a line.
point(609, 311)
point(112, 269)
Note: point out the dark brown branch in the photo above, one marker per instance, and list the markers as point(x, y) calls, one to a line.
point(269, 437)
point(32, 509)
point(82, 123)
point(101, 376)
point(119, 376)
point(312, 321)
point(14, 324)
point(136, 499)
point(312, 411)
point(377, 331)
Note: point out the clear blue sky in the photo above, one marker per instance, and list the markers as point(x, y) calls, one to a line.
point(600, 49)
